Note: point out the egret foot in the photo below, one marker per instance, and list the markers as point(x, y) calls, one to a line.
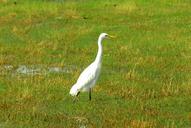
point(75, 99)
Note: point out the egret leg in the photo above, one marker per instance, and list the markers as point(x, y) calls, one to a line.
point(90, 94)
point(78, 93)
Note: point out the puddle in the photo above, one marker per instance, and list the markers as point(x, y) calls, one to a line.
point(44, 70)
point(62, 69)
point(23, 69)
point(35, 69)
point(55, 69)
point(8, 67)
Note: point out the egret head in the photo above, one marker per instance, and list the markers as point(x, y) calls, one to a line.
point(74, 91)
point(105, 35)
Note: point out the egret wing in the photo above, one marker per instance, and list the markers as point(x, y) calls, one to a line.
point(87, 76)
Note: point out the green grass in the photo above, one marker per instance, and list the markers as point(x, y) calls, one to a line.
point(146, 73)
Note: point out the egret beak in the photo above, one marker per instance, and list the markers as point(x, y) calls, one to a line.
point(112, 37)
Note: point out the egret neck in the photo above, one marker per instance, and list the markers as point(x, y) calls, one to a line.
point(99, 53)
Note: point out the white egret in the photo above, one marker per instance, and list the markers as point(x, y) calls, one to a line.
point(89, 76)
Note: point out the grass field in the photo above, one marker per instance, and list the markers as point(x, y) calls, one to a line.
point(146, 71)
